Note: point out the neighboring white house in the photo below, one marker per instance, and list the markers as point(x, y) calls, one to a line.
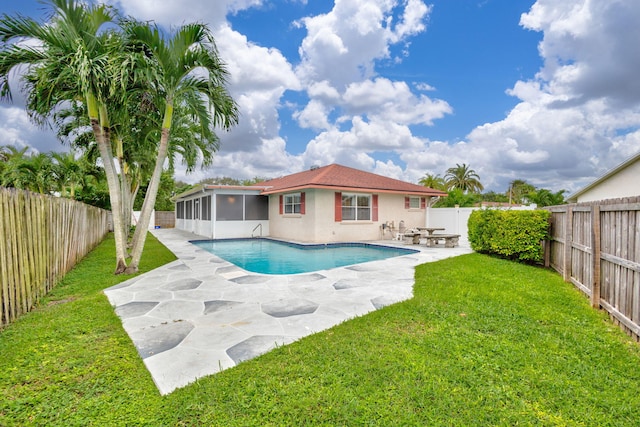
point(333, 203)
point(621, 181)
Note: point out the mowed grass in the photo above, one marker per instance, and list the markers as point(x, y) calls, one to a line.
point(483, 342)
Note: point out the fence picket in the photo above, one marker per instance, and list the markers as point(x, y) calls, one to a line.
point(4, 255)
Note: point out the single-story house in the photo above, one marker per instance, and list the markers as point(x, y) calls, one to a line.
point(621, 181)
point(333, 203)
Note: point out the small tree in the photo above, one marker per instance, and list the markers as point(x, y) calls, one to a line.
point(458, 198)
point(519, 191)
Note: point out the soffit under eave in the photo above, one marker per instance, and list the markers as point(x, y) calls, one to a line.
point(354, 190)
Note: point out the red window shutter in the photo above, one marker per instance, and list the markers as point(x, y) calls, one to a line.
point(423, 203)
point(407, 203)
point(281, 204)
point(338, 208)
point(302, 208)
point(374, 210)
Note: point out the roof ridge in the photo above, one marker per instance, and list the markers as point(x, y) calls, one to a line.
point(323, 171)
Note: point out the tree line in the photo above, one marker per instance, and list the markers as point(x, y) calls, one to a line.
point(465, 189)
point(73, 175)
point(123, 92)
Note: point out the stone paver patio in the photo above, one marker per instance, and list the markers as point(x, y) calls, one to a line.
point(200, 314)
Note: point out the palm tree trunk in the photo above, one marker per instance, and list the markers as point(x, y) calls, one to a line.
point(127, 207)
point(101, 132)
point(140, 234)
point(127, 203)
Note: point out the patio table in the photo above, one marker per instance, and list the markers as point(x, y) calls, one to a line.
point(430, 230)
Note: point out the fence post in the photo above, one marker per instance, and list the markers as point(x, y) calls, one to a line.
point(568, 243)
point(547, 243)
point(595, 256)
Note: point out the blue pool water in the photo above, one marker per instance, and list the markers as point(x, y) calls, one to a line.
point(273, 257)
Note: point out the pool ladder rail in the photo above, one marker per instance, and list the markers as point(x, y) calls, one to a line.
point(255, 228)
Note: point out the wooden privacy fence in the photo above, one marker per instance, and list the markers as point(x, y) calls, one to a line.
point(41, 239)
point(165, 219)
point(596, 246)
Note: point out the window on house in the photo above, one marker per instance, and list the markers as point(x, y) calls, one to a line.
point(180, 210)
point(356, 207)
point(206, 208)
point(292, 203)
point(256, 207)
point(188, 209)
point(229, 207)
point(414, 202)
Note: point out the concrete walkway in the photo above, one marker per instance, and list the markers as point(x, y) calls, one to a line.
point(200, 314)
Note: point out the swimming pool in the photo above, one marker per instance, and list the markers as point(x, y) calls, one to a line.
point(268, 256)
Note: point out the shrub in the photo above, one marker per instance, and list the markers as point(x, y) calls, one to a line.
point(509, 234)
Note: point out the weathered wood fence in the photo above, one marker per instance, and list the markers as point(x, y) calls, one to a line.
point(41, 239)
point(596, 246)
point(165, 219)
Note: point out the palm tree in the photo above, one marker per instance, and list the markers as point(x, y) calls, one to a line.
point(433, 181)
point(463, 178)
point(35, 173)
point(10, 158)
point(68, 173)
point(72, 59)
point(544, 197)
point(186, 74)
point(31, 172)
point(518, 191)
point(132, 150)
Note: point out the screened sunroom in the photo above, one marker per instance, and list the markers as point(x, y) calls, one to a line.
point(223, 212)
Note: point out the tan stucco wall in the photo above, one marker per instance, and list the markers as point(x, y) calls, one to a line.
point(622, 184)
point(318, 223)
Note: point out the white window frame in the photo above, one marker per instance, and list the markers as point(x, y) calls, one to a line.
point(292, 203)
point(414, 202)
point(357, 208)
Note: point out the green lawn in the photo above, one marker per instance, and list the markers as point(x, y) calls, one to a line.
point(483, 342)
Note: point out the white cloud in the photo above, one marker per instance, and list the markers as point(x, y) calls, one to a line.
point(259, 77)
point(389, 169)
point(342, 45)
point(17, 130)
point(323, 91)
point(252, 67)
point(355, 146)
point(175, 13)
point(412, 19)
point(393, 101)
point(588, 48)
point(313, 116)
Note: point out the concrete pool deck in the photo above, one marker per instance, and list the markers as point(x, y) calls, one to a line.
point(200, 314)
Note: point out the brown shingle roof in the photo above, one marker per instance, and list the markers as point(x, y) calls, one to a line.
point(338, 177)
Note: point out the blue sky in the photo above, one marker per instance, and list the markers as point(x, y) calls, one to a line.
point(545, 91)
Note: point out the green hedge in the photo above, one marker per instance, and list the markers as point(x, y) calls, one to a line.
point(510, 234)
